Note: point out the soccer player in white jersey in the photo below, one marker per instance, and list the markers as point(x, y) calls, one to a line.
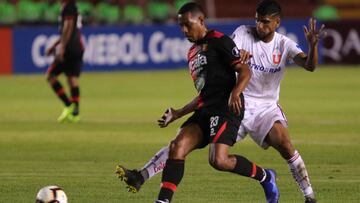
point(264, 120)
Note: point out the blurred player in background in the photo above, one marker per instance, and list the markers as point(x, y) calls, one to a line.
point(68, 52)
point(264, 120)
point(218, 110)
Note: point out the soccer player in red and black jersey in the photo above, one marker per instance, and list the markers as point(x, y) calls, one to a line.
point(68, 50)
point(218, 109)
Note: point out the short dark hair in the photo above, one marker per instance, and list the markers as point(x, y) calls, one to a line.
point(191, 7)
point(268, 7)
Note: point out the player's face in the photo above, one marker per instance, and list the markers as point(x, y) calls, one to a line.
point(192, 25)
point(266, 26)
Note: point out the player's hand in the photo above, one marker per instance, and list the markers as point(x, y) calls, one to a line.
point(50, 51)
point(169, 116)
point(312, 35)
point(244, 56)
point(60, 54)
point(235, 102)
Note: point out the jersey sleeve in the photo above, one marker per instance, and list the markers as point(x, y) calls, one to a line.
point(70, 12)
point(293, 49)
point(237, 35)
point(228, 50)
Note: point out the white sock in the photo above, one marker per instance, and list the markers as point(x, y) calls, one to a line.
point(156, 164)
point(299, 172)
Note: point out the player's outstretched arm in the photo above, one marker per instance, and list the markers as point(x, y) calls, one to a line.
point(171, 114)
point(312, 35)
point(243, 78)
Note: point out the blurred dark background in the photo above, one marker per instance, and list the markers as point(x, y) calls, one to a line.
point(112, 12)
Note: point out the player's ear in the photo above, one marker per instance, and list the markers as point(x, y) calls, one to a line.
point(202, 19)
point(278, 21)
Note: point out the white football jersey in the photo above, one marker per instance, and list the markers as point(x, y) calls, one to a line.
point(267, 63)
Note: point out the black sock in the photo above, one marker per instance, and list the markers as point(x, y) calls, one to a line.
point(60, 92)
point(171, 177)
point(75, 96)
point(268, 176)
point(246, 168)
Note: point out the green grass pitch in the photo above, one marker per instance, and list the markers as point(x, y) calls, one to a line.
point(119, 112)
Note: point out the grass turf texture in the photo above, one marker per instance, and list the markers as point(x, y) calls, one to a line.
point(119, 113)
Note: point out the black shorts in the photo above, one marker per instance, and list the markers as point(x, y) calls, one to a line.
point(216, 128)
point(70, 66)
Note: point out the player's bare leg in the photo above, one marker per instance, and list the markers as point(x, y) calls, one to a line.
point(187, 139)
point(75, 97)
point(220, 159)
point(60, 92)
point(279, 139)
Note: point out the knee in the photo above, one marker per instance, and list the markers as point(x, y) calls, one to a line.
point(285, 145)
point(279, 138)
point(73, 81)
point(219, 163)
point(286, 148)
point(176, 150)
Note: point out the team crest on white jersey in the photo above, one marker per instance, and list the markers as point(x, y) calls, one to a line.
point(276, 56)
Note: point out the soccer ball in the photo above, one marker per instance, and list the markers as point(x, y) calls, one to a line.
point(51, 194)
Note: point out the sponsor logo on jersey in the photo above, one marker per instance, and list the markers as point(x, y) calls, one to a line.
point(196, 65)
point(196, 70)
point(264, 69)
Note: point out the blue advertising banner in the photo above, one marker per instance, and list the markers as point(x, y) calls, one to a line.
point(124, 47)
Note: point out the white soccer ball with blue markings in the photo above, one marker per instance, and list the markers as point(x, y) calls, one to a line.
point(51, 194)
